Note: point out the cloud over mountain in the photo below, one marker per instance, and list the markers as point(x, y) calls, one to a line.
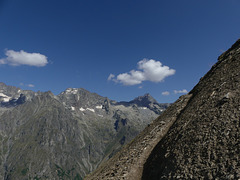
point(148, 70)
point(31, 85)
point(18, 58)
point(165, 93)
point(184, 91)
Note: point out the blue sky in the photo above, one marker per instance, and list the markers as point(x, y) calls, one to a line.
point(147, 46)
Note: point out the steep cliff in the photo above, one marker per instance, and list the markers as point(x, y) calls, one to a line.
point(204, 141)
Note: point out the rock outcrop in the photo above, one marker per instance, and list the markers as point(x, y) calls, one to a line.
point(197, 137)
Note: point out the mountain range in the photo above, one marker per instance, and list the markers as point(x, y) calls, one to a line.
point(67, 136)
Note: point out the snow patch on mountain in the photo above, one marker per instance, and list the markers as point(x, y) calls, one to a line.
point(89, 109)
point(82, 109)
point(4, 97)
point(71, 91)
point(99, 107)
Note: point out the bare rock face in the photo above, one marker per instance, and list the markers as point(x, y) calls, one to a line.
point(204, 141)
point(43, 136)
point(197, 137)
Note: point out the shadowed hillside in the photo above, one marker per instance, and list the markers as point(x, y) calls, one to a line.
point(204, 141)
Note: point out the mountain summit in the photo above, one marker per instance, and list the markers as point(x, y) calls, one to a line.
point(144, 100)
point(148, 101)
point(197, 137)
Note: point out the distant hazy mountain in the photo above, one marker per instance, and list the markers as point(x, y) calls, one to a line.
point(44, 136)
point(197, 137)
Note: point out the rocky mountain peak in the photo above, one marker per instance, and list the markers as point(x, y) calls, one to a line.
point(2, 84)
point(235, 49)
point(11, 96)
point(76, 91)
point(144, 100)
point(47, 94)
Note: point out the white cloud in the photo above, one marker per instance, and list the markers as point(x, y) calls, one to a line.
point(31, 85)
point(110, 77)
point(165, 93)
point(148, 70)
point(131, 78)
point(184, 91)
point(27, 85)
point(2, 61)
point(17, 58)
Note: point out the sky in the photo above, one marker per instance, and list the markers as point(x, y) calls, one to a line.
point(119, 49)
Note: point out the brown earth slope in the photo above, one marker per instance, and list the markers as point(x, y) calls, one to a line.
point(195, 138)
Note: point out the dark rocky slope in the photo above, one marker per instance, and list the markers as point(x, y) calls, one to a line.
point(204, 141)
point(197, 137)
